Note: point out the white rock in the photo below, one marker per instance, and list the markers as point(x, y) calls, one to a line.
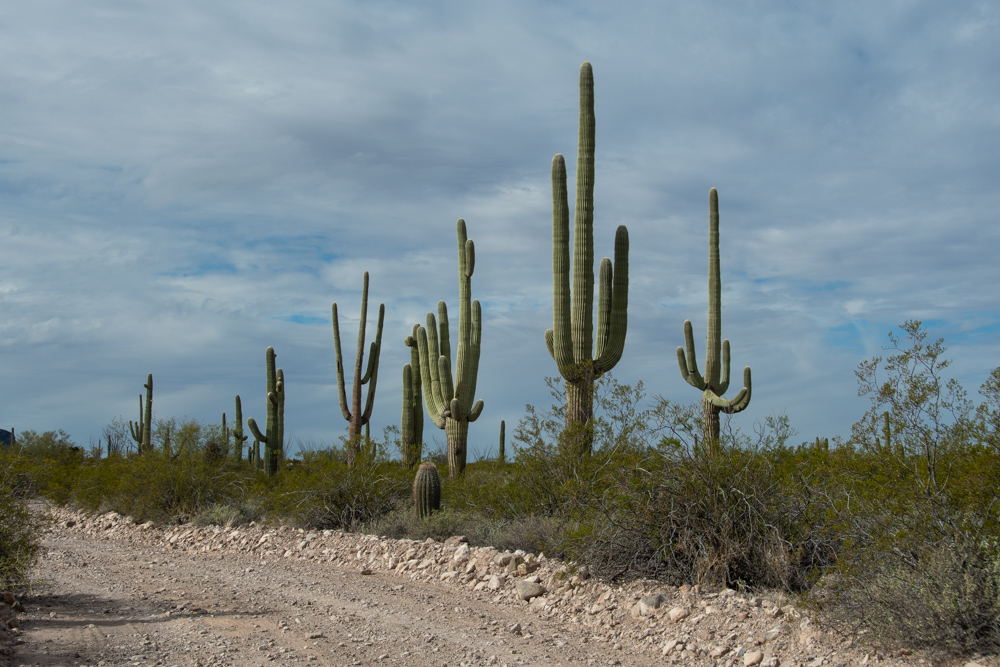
point(529, 589)
point(752, 658)
point(462, 553)
point(678, 614)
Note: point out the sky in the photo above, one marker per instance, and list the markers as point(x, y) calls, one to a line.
point(184, 184)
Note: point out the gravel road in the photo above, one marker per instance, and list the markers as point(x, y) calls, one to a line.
point(112, 593)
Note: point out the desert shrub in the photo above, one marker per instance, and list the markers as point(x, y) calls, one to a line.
point(19, 528)
point(230, 513)
point(324, 493)
point(918, 506)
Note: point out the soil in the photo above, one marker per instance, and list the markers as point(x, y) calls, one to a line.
point(111, 593)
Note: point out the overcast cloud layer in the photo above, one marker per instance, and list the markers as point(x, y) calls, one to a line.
point(182, 185)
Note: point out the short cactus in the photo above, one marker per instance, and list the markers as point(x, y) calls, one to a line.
point(571, 339)
point(274, 435)
point(450, 404)
point(412, 421)
point(427, 490)
point(716, 379)
point(141, 430)
point(355, 416)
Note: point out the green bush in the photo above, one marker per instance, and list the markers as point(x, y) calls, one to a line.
point(20, 529)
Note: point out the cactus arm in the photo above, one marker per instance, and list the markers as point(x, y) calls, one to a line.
point(359, 361)
point(583, 225)
point(406, 421)
point(560, 340)
point(256, 431)
point(418, 423)
point(467, 373)
point(618, 326)
point(371, 364)
point(689, 364)
point(135, 428)
point(724, 380)
point(550, 342)
point(372, 375)
point(476, 410)
point(279, 387)
point(604, 296)
point(341, 391)
point(444, 336)
point(447, 387)
point(476, 346)
point(737, 403)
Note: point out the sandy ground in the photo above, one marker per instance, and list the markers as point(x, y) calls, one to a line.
point(116, 594)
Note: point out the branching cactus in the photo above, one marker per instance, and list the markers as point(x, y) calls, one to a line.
point(141, 430)
point(427, 490)
point(715, 382)
point(355, 416)
point(449, 403)
point(412, 421)
point(571, 339)
point(274, 435)
point(238, 436)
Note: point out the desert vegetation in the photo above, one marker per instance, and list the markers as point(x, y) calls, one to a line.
point(892, 532)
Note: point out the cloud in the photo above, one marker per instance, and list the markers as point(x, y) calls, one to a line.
point(182, 186)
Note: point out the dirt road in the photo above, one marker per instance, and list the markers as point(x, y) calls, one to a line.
point(114, 593)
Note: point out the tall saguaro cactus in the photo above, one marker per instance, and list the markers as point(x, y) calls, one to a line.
point(412, 421)
point(238, 436)
point(274, 433)
point(715, 382)
point(571, 339)
point(450, 403)
point(355, 416)
point(141, 429)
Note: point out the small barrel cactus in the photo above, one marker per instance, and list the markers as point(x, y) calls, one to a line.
point(427, 490)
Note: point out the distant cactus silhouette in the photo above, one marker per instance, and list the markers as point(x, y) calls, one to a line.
point(141, 430)
point(274, 435)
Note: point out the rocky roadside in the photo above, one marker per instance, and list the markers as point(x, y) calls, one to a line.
point(357, 599)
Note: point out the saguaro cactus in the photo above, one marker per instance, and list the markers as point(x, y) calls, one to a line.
point(274, 435)
point(238, 437)
point(412, 421)
point(427, 490)
point(502, 451)
point(570, 340)
point(450, 404)
point(355, 416)
point(716, 379)
point(141, 429)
